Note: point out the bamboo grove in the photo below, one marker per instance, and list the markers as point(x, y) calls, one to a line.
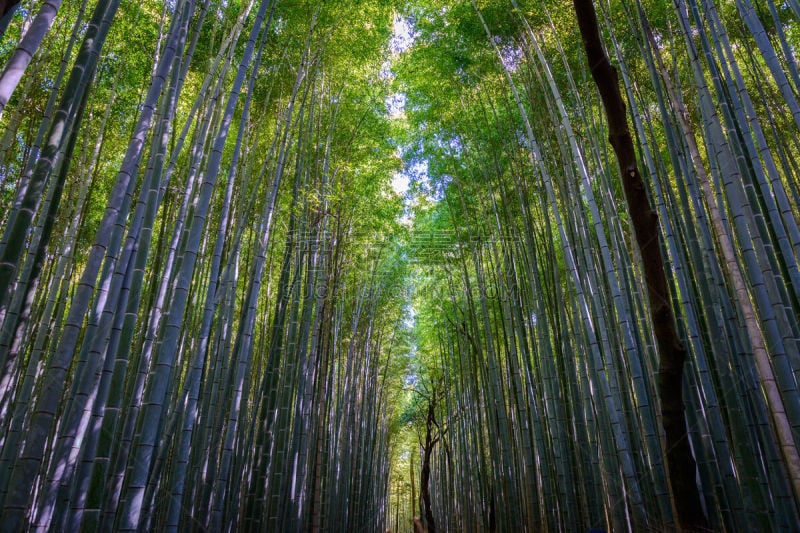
point(221, 308)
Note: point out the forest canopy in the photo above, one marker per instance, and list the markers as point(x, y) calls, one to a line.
point(476, 265)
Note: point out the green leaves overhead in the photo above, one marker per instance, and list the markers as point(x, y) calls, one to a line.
point(225, 310)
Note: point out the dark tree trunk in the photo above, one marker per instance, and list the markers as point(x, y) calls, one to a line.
point(681, 465)
point(425, 472)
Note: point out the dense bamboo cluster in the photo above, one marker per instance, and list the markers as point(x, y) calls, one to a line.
point(220, 311)
point(210, 350)
point(543, 332)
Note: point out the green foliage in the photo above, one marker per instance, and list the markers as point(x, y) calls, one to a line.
point(504, 282)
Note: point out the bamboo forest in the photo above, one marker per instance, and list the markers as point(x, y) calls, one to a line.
point(400, 266)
